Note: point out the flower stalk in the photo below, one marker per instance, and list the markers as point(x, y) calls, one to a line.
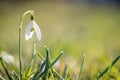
point(20, 41)
point(20, 54)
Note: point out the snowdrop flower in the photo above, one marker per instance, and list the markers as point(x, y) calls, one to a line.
point(32, 28)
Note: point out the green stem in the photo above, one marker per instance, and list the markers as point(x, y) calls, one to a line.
point(20, 54)
point(20, 40)
point(33, 55)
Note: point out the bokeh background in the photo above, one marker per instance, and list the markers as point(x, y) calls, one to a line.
point(74, 26)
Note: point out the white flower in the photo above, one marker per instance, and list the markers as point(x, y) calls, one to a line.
point(32, 27)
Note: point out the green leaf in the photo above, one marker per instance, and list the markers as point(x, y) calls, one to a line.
point(29, 72)
point(38, 73)
point(4, 67)
point(47, 63)
point(56, 59)
point(33, 55)
point(23, 75)
point(115, 60)
point(40, 56)
point(47, 57)
point(81, 67)
point(108, 67)
point(65, 72)
point(14, 75)
point(57, 74)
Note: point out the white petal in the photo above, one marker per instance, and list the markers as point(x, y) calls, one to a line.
point(29, 34)
point(37, 30)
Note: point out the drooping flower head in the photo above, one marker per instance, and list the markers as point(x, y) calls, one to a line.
point(32, 28)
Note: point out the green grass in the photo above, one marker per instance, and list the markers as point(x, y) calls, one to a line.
point(46, 70)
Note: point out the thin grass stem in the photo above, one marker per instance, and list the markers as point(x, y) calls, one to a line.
point(4, 67)
point(81, 67)
point(108, 67)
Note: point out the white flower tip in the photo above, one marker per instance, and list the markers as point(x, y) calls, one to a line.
point(27, 38)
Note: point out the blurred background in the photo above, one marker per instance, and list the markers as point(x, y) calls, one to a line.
point(74, 26)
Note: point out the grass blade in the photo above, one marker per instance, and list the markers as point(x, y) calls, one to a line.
point(65, 72)
point(29, 70)
point(56, 59)
point(47, 62)
point(47, 57)
point(40, 56)
point(109, 67)
point(4, 67)
point(57, 74)
point(33, 55)
point(47, 65)
point(115, 60)
point(38, 73)
point(81, 67)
